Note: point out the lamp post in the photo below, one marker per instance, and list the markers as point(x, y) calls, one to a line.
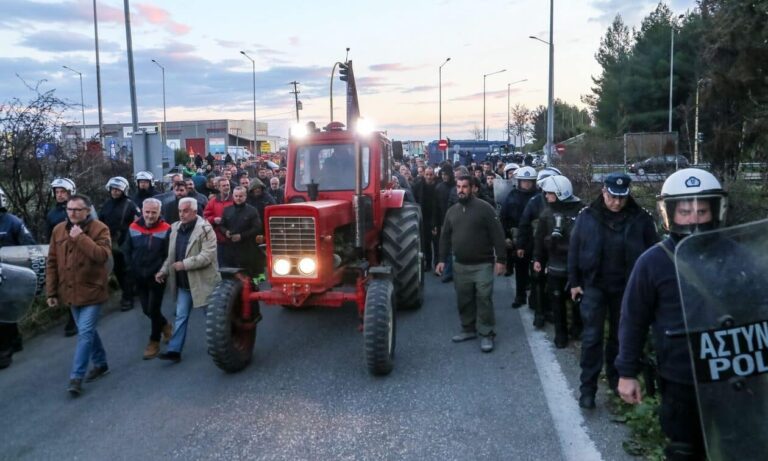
point(82, 101)
point(254, 99)
point(509, 139)
point(485, 134)
point(671, 67)
point(696, 140)
point(551, 90)
point(164, 120)
point(440, 98)
point(98, 76)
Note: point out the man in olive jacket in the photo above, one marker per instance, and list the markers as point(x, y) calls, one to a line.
point(76, 277)
point(191, 269)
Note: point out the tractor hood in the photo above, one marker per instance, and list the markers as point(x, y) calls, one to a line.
point(329, 214)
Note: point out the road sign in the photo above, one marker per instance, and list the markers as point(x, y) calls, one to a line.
point(442, 144)
point(265, 147)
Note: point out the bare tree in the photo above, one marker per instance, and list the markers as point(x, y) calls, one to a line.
point(477, 133)
point(521, 123)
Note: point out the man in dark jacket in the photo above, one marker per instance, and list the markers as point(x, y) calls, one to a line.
point(241, 224)
point(145, 250)
point(511, 212)
point(424, 191)
point(472, 233)
point(276, 190)
point(445, 196)
point(118, 212)
point(259, 198)
point(607, 239)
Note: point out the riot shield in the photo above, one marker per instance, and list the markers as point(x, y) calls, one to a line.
point(29, 256)
point(502, 188)
point(722, 276)
point(17, 290)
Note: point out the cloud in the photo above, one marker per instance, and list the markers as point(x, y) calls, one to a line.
point(55, 41)
point(390, 67)
point(294, 40)
point(420, 89)
point(228, 43)
point(632, 11)
point(488, 95)
point(161, 17)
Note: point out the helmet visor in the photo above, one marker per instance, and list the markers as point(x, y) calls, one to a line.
point(686, 215)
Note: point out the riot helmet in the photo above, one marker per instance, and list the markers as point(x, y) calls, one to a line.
point(510, 167)
point(545, 173)
point(560, 186)
point(144, 176)
point(119, 183)
point(689, 196)
point(64, 183)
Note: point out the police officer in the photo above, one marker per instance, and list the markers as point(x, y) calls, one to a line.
point(12, 232)
point(145, 187)
point(608, 237)
point(118, 212)
point(511, 212)
point(526, 229)
point(691, 200)
point(550, 251)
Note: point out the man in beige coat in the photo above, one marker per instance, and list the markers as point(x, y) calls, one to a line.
point(191, 270)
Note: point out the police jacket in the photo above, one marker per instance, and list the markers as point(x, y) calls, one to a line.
point(551, 241)
point(527, 225)
point(76, 271)
point(586, 245)
point(57, 214)
point(141, 194)
point(147, 247)
point(13, 231)
point(512, 208)
point(652, 297)
point(118, 214)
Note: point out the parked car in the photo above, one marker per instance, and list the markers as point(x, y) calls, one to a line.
point(659, 164)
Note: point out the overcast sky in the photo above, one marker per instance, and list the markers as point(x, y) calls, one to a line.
point(396, 46)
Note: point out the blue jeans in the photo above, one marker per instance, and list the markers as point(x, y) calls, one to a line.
point(183, 309)
point(89, 346)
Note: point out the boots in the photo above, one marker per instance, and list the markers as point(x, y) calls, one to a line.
point(167, 332)
point(152, 350)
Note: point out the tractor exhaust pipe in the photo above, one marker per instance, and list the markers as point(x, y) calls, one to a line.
point(357, 203)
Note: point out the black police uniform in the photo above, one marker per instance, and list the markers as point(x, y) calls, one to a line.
point(511, 212)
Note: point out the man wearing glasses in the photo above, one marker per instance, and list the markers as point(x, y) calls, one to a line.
point(76, 277)
point(606, 240)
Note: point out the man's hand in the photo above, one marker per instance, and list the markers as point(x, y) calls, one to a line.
point(259, 239)
point(434, 230)
point(576, 292)
point(537, 266)
point(629, 390)
point(178, 266)
point(501, 268)
point(235, 237)
point(52, 301)
point(75, 231)
point(160, 277)
point(520, 253)
point(439, 268)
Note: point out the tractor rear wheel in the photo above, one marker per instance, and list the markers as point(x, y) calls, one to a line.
point(230, 338)
point(401, 250)
point(379, 327)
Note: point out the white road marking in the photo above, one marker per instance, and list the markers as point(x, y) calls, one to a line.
point(575, 443)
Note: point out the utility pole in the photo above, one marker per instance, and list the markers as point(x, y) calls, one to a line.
point(131, 76)
point(98, 76)
point(295, 93)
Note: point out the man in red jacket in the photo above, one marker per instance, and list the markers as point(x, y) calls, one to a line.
point(214, 211)
point(76, 277)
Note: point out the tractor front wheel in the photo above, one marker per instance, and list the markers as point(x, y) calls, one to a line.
point(401, 250)
point(230, 337)
point(379, 327)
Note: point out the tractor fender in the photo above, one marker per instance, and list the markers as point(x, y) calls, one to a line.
point(392, 198)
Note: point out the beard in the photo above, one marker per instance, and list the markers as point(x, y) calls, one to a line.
point(464, 198)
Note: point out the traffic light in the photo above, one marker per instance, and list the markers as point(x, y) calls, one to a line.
point(343, 71)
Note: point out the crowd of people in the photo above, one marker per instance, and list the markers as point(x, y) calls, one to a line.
point(583, 266)
point(577, 265)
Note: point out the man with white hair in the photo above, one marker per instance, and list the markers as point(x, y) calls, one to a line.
point(191, 270)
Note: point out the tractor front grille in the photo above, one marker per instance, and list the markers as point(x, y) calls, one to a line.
point(292, 236)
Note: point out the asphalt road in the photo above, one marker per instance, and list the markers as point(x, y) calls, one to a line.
point(307, 394)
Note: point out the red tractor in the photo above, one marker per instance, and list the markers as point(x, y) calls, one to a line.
point(343, 236)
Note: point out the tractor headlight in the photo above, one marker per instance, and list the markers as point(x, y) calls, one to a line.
point(281, 266)
point(307, 266)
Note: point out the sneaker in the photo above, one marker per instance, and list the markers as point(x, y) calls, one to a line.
point(518, 302)
point(486, 343)
point(464, 336)
point(96, 373)
point(174, 357)
point(126, 305)
point(75, 387)
point(152, 350)
point(167, 332)
point(587, 401)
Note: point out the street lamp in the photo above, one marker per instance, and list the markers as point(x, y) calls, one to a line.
point(485, 134)
point(440, 103)
point(671, 66)
point(696, 139)
point(164, 120)
point(98, 76)
point(254, 99)
point(82, 101)
point(551, 91)
point(508, 106)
